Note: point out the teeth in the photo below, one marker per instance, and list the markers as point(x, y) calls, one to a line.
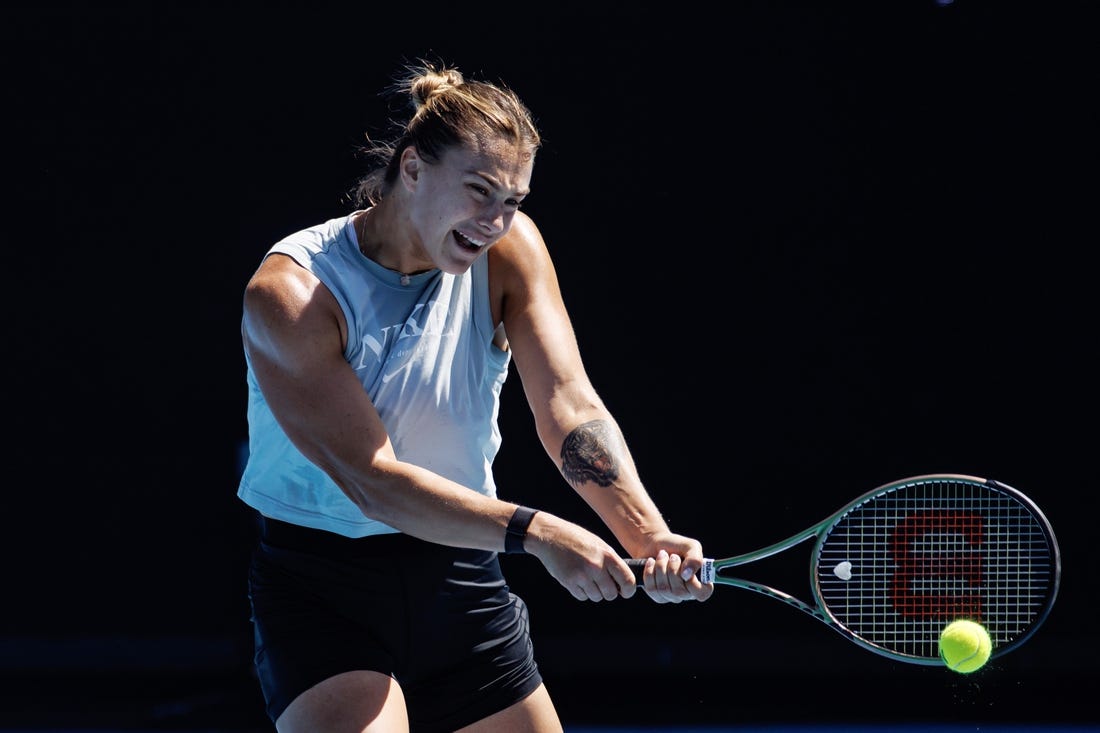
point(471, 240)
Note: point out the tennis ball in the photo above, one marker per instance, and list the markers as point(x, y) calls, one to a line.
point(965, 646)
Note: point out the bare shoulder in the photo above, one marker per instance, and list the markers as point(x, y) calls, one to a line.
point(278, 277)
point(521, 253)
point(523, 237)
point(520, 268)
point(282, 285)
point(282, 298)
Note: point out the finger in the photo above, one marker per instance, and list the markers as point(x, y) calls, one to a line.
point(592, 590)
point(675, 582)
point(623, 576)
point(607, 586)
point(684, 587)
point(701, 591)
point(676, 590)
point(660, 573)
point(692, 567)
point(649, 576)
point(669, 589)
point(597, 593)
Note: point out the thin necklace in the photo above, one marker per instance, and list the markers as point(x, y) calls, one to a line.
point(361, 233)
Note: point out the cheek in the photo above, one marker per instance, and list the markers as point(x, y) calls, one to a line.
point(433, 209)
point(442, 201)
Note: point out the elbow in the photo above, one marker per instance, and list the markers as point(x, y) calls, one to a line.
point(372, 491)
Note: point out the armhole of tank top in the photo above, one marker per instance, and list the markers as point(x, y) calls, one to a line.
point(483, 312)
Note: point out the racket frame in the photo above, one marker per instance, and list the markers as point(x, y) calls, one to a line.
point(712, 568)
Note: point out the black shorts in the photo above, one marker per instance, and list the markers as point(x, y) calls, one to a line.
point(440, 620)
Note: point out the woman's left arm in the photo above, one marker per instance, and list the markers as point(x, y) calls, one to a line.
point(575, 427)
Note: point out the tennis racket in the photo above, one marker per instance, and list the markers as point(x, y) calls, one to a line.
point(893, 567)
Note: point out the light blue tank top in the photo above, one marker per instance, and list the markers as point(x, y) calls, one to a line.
point(424, 353)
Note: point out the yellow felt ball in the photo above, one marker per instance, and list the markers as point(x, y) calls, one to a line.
point(965, 646)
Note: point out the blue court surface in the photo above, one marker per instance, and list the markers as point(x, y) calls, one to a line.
point(861, 728)
point(110, 686)
point(832, 728)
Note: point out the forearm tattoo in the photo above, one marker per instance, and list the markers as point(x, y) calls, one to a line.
point(588, 454)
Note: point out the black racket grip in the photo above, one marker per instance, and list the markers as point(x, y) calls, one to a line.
point(637, 564)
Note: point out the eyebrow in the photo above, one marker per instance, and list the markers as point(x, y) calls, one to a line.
point(492, 182)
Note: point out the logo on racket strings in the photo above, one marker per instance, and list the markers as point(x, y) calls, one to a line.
point(938, 560)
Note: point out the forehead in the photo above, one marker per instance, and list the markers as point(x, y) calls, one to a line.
point(502, 163)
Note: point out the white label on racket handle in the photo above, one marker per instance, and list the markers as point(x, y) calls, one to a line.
point(706, 573)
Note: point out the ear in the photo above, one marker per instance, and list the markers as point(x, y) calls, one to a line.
point(410, 167)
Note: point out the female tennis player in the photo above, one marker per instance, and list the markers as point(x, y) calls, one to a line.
point(377, 344)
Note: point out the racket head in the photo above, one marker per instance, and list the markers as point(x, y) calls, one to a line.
point(894, 567)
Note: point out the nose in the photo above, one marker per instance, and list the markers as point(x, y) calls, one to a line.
point(492, 218)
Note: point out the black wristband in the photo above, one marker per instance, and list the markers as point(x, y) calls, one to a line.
point(517, 529)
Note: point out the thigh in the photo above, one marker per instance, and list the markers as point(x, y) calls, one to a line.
point(533, 714)
point(352, 702)
point(440, 621)
point(309, 625)
point(471, 654)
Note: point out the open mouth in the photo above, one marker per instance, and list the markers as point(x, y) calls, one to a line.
point(466, 243)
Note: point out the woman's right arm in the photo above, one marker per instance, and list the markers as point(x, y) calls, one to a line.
point(294, 333)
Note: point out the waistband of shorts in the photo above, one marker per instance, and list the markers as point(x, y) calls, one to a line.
point(288, 536)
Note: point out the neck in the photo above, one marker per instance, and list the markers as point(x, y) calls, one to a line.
point(372, 242)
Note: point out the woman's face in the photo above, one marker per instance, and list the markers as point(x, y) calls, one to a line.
point(464, 203)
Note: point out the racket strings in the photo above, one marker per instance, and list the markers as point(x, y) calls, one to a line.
point(894, 569)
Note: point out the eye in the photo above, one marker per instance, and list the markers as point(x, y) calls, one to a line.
point(479, 189)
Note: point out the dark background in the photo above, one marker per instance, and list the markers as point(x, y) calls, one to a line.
point(809, 248)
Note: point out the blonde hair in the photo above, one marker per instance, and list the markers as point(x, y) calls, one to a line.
point(447, 110)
